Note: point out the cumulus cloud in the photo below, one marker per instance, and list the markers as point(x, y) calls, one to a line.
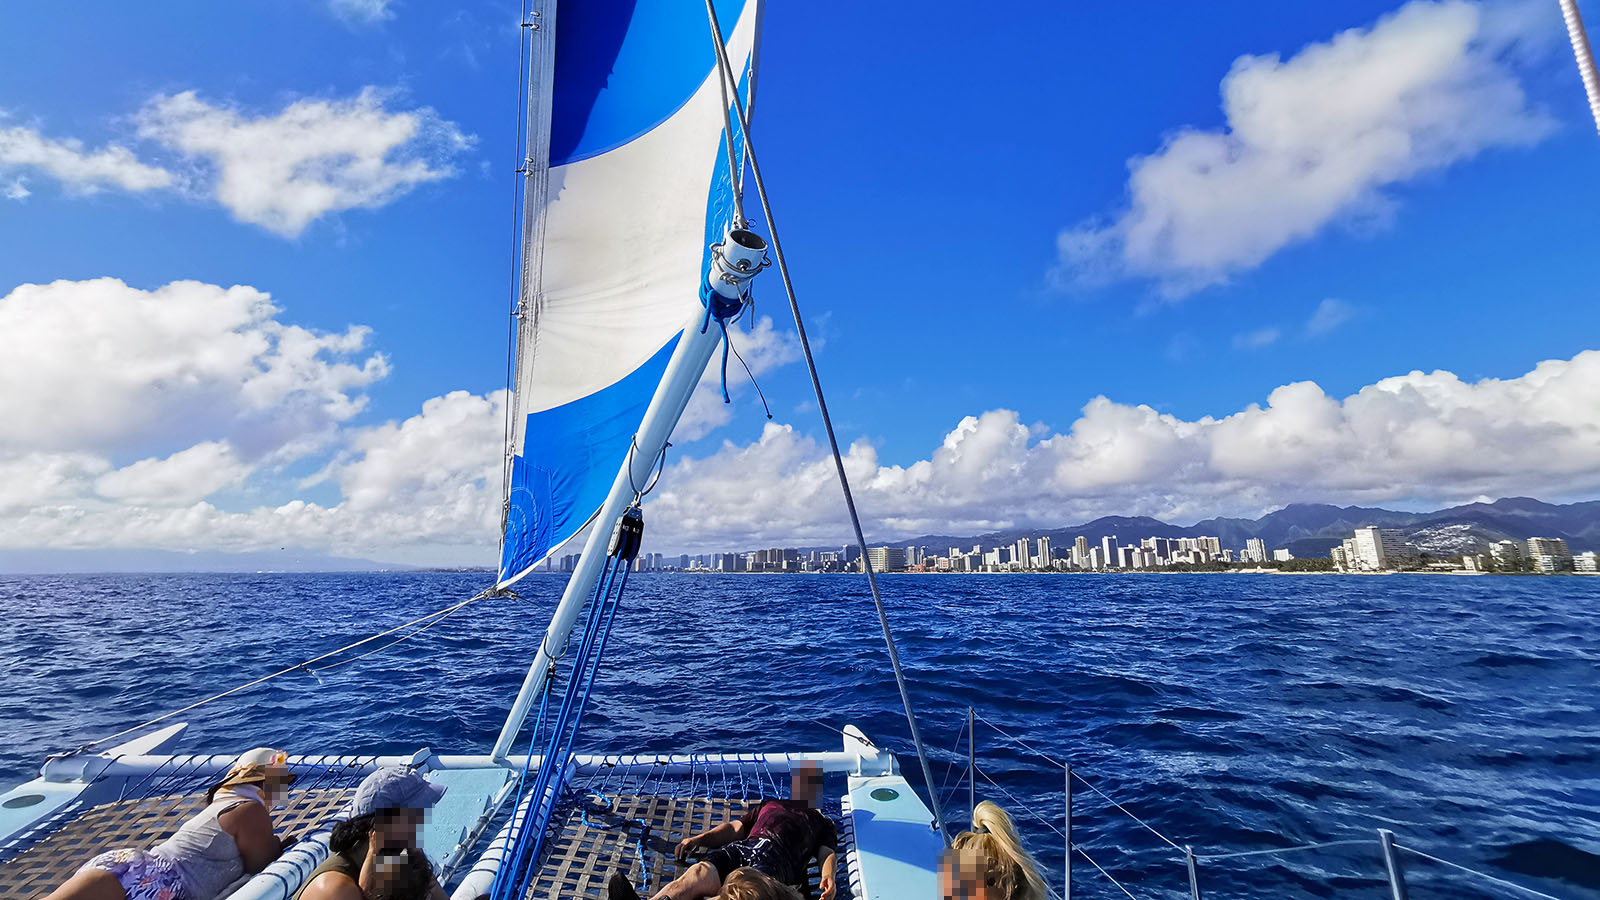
point(364, 12)
point(1313, 140)
point(316, 157)
point(180, 479)
point(76, 167)
point(102, 366)
point(1429, 437)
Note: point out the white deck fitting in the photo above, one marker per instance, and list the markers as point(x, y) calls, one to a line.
point(896, 845)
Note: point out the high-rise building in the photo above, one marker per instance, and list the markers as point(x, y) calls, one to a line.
point(886, 559)
point(1108, 553)
point(1021, 552)
point(1549, 555)
point(1046, 560)
point(1080, 552)
point(1282, 555)
point(1588, 561)
point(1507, 555)
point(1255, 550)
point(1369, 555)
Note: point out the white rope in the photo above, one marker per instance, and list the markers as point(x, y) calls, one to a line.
point(306, 666)
point(1109, 877)
point(1584, 55)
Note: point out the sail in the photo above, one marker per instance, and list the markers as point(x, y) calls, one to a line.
point(638, 188)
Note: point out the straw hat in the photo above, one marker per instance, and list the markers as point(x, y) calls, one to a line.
point(253, 767)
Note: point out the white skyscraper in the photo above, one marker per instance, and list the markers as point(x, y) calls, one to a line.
point(1045, 558)
point(1108, 551)
point(1255, 550)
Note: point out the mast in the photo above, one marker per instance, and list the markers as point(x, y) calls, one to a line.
point(633, 256)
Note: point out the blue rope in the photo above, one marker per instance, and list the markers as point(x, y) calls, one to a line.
point(723, 310)
point(514, 879)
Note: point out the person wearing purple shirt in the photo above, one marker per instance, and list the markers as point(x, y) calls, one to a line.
point(777, 837)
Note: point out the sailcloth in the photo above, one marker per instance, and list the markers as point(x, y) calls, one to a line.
point(639, 187)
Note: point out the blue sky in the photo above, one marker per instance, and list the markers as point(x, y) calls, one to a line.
point(924, 168)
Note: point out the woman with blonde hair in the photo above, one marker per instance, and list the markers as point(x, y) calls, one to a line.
point(989, 862)
point(749, 883)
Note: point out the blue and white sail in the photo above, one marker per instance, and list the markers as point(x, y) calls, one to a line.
point(634, 186)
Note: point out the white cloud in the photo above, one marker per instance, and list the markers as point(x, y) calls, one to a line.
point(181, 479)
point(315, 157)
point(99, 366)
point(365, 12)
point(1313, 140)
point(1329, 315)
point(1255, 340)
point(77, 168)
point(1427, 437)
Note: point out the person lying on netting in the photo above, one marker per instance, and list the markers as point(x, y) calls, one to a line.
point(989, 862)
point(375, 854)
point(232, 836)
point(776, 837)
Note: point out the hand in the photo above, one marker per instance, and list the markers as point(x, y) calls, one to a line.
point(825, 883)
point(685, 847)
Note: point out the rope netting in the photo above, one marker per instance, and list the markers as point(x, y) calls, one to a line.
point(143, 810)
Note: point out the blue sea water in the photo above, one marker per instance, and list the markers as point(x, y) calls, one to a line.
point(1228, 712)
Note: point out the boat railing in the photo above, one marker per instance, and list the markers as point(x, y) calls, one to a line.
point(1390, 848)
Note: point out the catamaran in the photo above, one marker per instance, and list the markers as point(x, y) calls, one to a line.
point(635, 260)
point(635, 263)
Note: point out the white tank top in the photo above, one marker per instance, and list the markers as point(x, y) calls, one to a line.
point(206, 856)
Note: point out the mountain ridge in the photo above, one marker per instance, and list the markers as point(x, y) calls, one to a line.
point(1310, 529)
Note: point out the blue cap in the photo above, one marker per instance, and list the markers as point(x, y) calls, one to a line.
point(394, 787)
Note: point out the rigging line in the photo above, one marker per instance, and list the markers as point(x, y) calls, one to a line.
point(1109, 877)
point(735, 183)
point(1018, 804)
point(833, 439)
point(1484, 875)
point(729, 341)
point(1148, 827)
point(1585, 56)
point(1211, 857)
point(1007, 735)
point(403, 638)
point(484, 595)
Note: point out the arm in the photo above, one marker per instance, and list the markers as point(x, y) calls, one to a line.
point(826, 857)
point(251, 827)
point(723, 834)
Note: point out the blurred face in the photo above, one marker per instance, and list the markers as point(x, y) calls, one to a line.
point(396, 828)
point(961, 878)
point(805, 783)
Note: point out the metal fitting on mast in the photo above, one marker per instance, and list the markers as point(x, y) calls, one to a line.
point(737, 258)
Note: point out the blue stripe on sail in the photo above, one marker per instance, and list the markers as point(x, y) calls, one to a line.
point(571, 454)
point(625, 66)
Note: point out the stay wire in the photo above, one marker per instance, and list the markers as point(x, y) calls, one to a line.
point(305, 666)
point(833, 439)
point(728, 342)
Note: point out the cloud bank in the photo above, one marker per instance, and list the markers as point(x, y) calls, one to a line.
point(1310, 141)
point(169, 418)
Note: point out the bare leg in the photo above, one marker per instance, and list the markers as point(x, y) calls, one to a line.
point(95, 884)
point(701, 880)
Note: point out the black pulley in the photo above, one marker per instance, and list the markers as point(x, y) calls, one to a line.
point(628, 534)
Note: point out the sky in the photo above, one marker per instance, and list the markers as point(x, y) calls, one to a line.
point(1068, 260)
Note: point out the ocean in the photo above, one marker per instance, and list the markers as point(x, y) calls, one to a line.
point(1228, 712)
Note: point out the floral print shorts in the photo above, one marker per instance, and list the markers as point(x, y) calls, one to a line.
point(142, 876)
